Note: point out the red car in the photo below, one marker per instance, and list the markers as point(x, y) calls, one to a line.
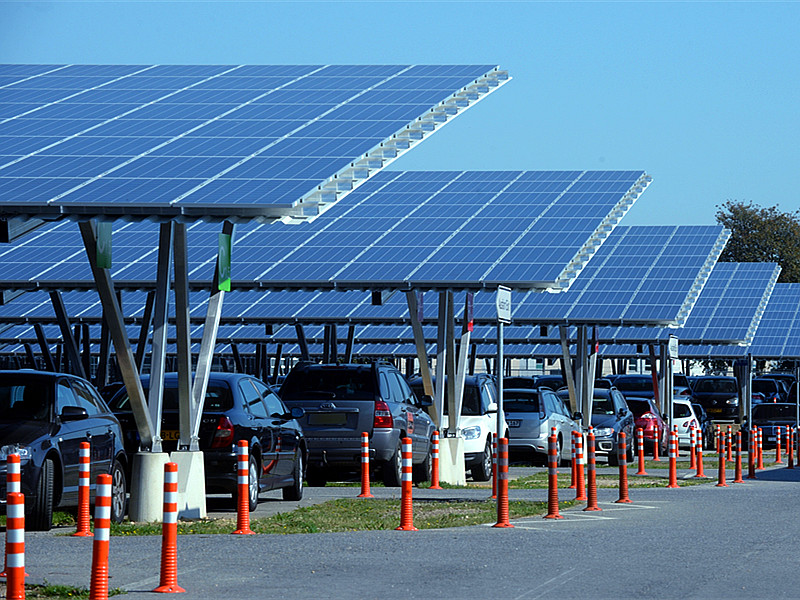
point(648, 417)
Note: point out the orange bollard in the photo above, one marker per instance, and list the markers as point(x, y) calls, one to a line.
point(751, 455)
point(673, 459)
point(15, 545)
point(98, 589)
point(790, 446)
point(502, 484)
point(169, 533)
point(591, 474)
point(716, 439)
point(365, 491)
point(737, 473)
point(243, 484)
point(656, 444)
point(721, 460)
point(692, 448)
point(580, 460)
point(729, 444)
point(435, 460)
point(13, 486)
point(640, 451)
point(552, 477)
point(759, 439)
point(778, 458)
point(406, 508)
point(574, 470)
point(699, 453)
point(84, 483)
point(622, 458)
point(494, 466)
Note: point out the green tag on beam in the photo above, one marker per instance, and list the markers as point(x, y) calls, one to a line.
point(224, 263)
point(104, 245)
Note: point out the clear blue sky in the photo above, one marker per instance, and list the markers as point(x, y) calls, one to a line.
point(703, 96)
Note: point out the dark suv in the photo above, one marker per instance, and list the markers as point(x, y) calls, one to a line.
point(719, 395)
point(342, 401)
point(44, 417)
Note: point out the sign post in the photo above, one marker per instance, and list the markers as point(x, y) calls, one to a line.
point(503, 318)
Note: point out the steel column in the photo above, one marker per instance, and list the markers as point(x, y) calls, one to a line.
point(183, 347)
point(301, 341)
point(348, 349)
point(422, 353)
point(70, 347)
point(48, 358)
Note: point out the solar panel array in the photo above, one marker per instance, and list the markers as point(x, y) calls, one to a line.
point(459, 230)
point(138, 141)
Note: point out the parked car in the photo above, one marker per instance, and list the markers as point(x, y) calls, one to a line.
point(236, 407)
point(786, 380)
point(683, 416)
point(520, 383)
point(478, 421)
point(719, 395)
point(770, 389)
point(705, 424)
point(648, 417)
point(769, 417)
point(531, 415)
point(640, 386)
point(610, 417)
point(553, 382)
point(680, 386)
point(44, 417)
point(342, 401)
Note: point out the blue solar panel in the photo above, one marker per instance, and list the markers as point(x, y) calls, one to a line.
point(778, 334)
point(247, 141)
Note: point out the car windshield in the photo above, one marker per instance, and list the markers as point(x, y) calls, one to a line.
point(218, 399)
point(25, 401)
point(774, 411)
point(765, 386)
point(470, 404)
point(519, 383)
point(680, 411)
point(520, 402)
point(602, 405)
point(638, 406)
point(343, 384)
point(727, 386)
point(634, 384)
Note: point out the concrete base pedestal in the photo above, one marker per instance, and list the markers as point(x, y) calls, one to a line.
point(147, 486)
point(191, 484)
point(451, 461)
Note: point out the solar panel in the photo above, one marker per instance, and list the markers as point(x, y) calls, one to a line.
point(778, 335)
point(250, 142)
point(460, 230)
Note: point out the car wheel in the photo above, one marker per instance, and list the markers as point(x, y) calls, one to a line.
point(483, 470)
point(118, 493)
point(295, 491)
point(560, 450)
point(424, 470)
point(254, 484)
point(393, 468)
point(629, 452)
point(39, 514)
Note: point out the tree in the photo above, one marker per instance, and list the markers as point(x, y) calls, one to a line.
point(761, 234)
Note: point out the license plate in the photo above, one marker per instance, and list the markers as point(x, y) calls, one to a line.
point(714, 410)
point(770, 438)
point(513, 422)
point(327, 419)
point(170, 435)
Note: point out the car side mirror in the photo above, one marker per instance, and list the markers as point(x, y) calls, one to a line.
point(297, 412)
point(492, 408)
point(577, 416)
point(73, 413)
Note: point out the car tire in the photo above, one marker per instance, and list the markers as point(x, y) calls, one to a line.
point(424, 470)
point(392, 471)
point(315, 476)
point(254, 484)
point(483, 470)
point(39, 514)
point(295, 491)
point(119, 497)
point(629, 452)
point(560, 450)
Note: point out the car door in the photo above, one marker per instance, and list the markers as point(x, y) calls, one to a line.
point(416, 419)
point(100, 428)
point(285, 432)
point(70, 435)
point(260, 426)
point(623, 415)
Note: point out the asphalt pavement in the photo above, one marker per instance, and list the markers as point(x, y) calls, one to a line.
point(693, 542)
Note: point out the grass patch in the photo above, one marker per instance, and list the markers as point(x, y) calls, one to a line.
point(355, 515)
point(60, 519)
point(48, 590)
point(539, 481)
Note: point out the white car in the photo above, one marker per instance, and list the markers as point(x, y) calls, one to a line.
point(684, 417)
point(478, 422)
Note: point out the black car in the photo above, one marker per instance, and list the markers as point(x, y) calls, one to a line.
point(705, 424)
point(771, 390)
point(640, 386)
point(44, 417)
point(771, 418)
point(342, 401)
point(237, 407)
point(610, 417)
point(719, 395)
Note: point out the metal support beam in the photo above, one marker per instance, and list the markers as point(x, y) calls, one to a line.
point(101, 376)
point(333, 342)
point(30, 357)
point(144, 330)
point(44, 347)
point(237, 358)
point(277, 370)
point(473, 357)
point(326, 345)
point(441, 359)
point(86, 349)
point(301, 341)
point(566, 361)
point(207, 344)
point(414, 310)
point(654, 375)
point(348, 349)
point(130, 374)
point(70, 347)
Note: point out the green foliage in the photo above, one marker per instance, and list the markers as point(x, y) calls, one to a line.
point(761, 234)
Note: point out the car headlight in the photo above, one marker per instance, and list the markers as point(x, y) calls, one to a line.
point(23, 451)
point(733, 401)
point(471, 433)
point(604, 432)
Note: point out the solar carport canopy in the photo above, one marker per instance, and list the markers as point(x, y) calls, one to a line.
point(237, 141)
point(399, 230)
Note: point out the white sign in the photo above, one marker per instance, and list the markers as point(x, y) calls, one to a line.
point(672, 348)
point(504, 304)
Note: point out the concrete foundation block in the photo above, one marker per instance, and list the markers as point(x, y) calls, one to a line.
point(451, 461)
point(147, 487)
point(191, 484)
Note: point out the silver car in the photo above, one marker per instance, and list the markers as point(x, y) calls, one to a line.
point(530, 415)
